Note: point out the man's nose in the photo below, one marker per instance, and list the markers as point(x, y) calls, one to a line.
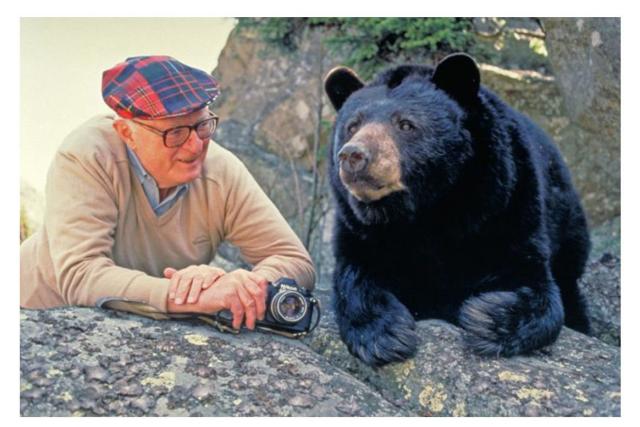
point(193, 142)
point(354, 157)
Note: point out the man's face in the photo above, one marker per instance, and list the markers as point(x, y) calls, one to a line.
point(169, 166)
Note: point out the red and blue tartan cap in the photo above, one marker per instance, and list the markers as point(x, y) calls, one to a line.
point(156, 87)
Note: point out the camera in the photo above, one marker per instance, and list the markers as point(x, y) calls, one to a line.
point(289, 310)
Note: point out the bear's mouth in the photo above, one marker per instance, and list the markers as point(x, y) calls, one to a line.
point(367, 189)
point(397, 206)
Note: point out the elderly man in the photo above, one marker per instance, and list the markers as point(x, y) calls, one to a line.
point(136, 206)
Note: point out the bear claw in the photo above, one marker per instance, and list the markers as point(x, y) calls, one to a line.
point(378, 344)
point(505, 323)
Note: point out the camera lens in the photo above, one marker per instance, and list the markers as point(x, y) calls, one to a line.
point(289, 306)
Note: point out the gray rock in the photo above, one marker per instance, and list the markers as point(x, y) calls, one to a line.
point(605, 239)
point(302, 401)
point(601, 282)
point(144, 404)
point(265, 375)
point(95, 373)
point(601, 286)
point(577, 376)
point(270, 375)
point(202, 392)
point(130, 390)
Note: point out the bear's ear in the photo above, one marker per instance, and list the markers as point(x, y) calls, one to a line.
point(339, 84)
point(459, 76)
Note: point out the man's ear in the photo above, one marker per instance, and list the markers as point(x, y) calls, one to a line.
point(339, 84)
point(459, 76)
point(124, 131)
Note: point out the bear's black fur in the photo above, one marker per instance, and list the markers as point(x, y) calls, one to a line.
point(451, 205)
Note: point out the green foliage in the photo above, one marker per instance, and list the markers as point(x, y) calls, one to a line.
point(282, 33)
point(372, 43)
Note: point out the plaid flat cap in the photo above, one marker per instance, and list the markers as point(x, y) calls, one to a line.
point(156, 87)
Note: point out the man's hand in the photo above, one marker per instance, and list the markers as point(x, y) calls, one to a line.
point(242, 292)
point(246, 297)
point(188, 283)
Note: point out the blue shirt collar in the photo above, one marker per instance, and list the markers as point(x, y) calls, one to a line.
point(150, 186)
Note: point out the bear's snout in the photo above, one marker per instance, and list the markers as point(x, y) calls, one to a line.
point(354, 158)
point(369, 164)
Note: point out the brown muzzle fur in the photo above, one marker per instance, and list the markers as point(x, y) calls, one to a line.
point(370, 164)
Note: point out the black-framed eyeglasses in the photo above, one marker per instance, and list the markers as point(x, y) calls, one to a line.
point(176, 136)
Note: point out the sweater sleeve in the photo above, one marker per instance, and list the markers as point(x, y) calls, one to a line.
point(254, 225)
point(80, 218)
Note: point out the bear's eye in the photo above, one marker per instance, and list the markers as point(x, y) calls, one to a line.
point(405, 125)
point(352, 128)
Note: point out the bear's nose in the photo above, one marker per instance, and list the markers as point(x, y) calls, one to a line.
point(353, 158)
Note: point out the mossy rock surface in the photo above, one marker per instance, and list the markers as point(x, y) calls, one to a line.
point(88, 362)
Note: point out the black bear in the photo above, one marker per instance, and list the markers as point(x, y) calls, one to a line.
point(450, 205)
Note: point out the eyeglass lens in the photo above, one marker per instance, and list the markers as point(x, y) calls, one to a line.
point(179, 135)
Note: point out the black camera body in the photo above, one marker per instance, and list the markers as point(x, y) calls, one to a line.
point(289, 310)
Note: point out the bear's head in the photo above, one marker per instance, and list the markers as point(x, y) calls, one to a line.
point(400, 142)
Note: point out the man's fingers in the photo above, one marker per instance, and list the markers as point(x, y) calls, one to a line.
point(217, 271)
point(259, 297)
point(261, 282)
point(238, 313)
point(184, 285)
point(211, 279)
point(169, 272)
point(262, 286)
point(173, 286)
point(249, 306)
point(194, 292)
point(208, 281)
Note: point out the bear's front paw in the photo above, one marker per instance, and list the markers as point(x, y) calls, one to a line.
point(509, 323)
point(389, 338)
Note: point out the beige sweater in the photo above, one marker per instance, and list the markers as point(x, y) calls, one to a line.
point(100, 237)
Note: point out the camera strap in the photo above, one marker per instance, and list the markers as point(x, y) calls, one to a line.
point(316, 305)
point(223, 324)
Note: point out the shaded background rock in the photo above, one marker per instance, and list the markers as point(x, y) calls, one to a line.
point(273, 111)
point(601, 286)
point(584, 54)
point(601, 282)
